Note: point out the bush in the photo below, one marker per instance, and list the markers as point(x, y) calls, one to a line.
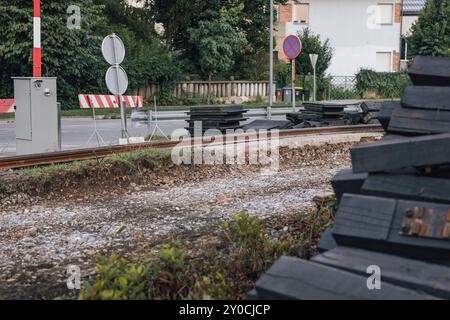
point(382, 84)
point(248, 244)
point(118, 280)
point(227, 270)
point(283, 74)
point(337, 92)
point(315, 224)
point(172, 274)
point(323, 86)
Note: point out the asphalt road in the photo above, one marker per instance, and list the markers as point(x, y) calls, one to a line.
point(77, 132)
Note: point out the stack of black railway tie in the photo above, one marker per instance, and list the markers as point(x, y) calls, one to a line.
point(318, 115)
point(394, 208)
point(370, 113)
point(221, 118)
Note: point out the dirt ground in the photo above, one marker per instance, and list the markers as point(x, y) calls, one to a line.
point(40, 237)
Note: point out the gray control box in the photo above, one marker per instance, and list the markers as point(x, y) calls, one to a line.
point(38, 124)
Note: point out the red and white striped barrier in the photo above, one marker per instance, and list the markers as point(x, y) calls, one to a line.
point(37, 54)
point(7, 106)
point(92, 101)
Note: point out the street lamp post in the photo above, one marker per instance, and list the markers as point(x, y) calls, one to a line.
point(37, 55)
point(269, 109)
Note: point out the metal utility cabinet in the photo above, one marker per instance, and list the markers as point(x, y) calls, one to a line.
point(38, 126)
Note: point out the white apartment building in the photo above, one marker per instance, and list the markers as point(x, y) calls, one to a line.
point(363, 33)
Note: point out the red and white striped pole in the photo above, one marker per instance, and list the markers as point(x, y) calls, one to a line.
point(37, 56)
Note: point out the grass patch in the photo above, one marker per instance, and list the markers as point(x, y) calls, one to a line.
point(226, 270)
point(314, 224)
point(7, 116)
point(130, 160)
point(115, 172)
point(140, 158)
point(156, 138)
point(109, 113)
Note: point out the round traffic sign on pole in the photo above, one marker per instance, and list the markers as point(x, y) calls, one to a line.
point(292, 47)
point(116, 80)
point(113, 49)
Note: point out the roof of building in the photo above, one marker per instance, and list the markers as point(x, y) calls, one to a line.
point(413, 7)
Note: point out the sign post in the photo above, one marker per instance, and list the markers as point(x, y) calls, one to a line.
point(293, 84)
point(269, 109)
point(116, 78)
point(37, 55)
point(292, 47)
point(313, 58)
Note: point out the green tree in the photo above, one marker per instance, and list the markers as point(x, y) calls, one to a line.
point(73, 54)
point(431, 33)
point(217, 43)
point(179, 16)
point(147, 60)
point(312, 43)
point(69, 54)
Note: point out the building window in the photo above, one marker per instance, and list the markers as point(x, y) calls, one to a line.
point(385, 13)
point(301, 14)
point(404, 49)
point(384, 62)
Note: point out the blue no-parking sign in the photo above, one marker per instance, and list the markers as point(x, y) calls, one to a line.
point(292, 47)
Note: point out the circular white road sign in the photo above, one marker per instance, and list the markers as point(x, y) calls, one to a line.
point(113, 49)
point(117, 80)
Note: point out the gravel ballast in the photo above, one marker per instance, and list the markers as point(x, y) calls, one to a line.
point(39, 241)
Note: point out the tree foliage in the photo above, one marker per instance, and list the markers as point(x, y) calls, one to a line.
point(73, 55)
point(431, 33)
point(180, 16)
point(69, 54)
point(147, 60)
point(313, 44)
point(217, 42)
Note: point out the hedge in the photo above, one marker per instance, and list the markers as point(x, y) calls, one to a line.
point(383, 84)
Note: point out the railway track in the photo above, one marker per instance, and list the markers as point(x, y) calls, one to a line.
point(16, 162)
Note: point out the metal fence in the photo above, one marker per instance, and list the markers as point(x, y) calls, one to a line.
point(342, 87)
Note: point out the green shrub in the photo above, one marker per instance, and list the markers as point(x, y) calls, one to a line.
point(383, 84)
point(249, 244)
point(118, 279)
point(226, 271)
point(173, 279)
point(283, 74)
point(211, 287)
point(2, 186)
point(313, 225)
point(197, 100)
point(163, 277)
point(337, 92)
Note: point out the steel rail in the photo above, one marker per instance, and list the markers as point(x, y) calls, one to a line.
point(23, 161)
